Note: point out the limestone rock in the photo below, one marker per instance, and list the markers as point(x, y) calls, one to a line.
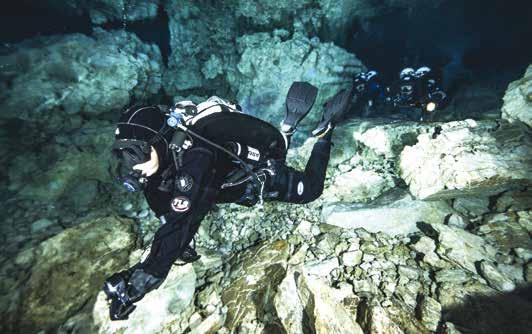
point(513, 272)
point(375, 320)
point(268, 13)
point(373, 145)
point(352, 258)
point(528, 272)
point(461, 247)
point(468, 158)
point(388, 139)
point(450, 328)
point(53, 78)
point(162, 308)
point(453, 275)
point(197, 61)
point(210, 325)
point(315, 306)
point(457, 293)
point(507, 230)
point(267, 57)
point(457, 221)
point(65, 272)
point(518, 100)
point(427, 248)
point(396, 213)
point(256, 274)
point(62, 178)
point(525, 254)
point(430, 312)
point(357, 185)
point(518, 200)
point(495, 278)
point(472, 206)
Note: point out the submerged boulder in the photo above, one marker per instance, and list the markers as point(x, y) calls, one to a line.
point(314, 306)
point(59, 276)
point(461, 247)
point(203, 50)
point(255, 275)
point(270, 62)
point(518, 100)
point(167, 308)
point(395, 213)
point(54, 80)
point(468, 158)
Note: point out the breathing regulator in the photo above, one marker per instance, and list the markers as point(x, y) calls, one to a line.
point(178, 118)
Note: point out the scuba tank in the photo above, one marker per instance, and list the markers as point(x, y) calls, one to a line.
point(250, 141)
point(245, 152)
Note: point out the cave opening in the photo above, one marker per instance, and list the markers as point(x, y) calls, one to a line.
point(464, 40)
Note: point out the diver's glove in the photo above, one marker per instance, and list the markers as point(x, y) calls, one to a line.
point(115, 288)
point(128, 287)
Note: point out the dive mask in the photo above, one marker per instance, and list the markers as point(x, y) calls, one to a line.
point(126, 154)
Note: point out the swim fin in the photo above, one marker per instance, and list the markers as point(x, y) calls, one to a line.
point(299, 101)
point(333, 110)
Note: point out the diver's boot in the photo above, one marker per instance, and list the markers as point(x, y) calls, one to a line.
point(128, 287)
point(299, 101)
point(333, 110)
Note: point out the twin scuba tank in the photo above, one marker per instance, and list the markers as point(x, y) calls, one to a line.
point(185, 115)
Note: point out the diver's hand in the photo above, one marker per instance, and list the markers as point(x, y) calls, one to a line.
point(119, 310)
point(151, 166)
point(115, 289)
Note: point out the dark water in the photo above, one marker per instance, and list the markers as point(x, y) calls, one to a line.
point(489, 38)
point(480, 36)
point(25, 19)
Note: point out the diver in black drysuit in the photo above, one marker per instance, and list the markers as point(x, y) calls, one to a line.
point(418, 95)
point(182, 188)
point(371, 97)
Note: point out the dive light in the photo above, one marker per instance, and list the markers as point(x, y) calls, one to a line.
point(431, 106)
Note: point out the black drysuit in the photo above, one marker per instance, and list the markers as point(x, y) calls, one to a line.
point(197, 187)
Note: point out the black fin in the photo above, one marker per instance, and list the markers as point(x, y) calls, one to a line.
point(333, 110)
point(299, 101)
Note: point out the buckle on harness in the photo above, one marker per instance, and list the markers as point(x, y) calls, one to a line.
point(262, 177)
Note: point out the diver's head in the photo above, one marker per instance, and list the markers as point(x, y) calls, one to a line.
point(141, 146)
point(406, 72)
point(371, 75)
point(422, 71)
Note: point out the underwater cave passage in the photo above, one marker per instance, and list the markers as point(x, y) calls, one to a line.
point(24, 19)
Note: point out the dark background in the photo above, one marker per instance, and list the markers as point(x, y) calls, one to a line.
point(479, 39)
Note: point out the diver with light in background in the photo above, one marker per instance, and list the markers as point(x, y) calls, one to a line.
point(417, 95)
point(189, 157)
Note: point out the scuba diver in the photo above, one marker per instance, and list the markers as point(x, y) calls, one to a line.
point(370, 96)
point(417, 95)
point(189, 157)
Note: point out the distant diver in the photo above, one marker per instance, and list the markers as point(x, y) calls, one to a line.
point(371, 95)
point(416, 95)
point(189, 157)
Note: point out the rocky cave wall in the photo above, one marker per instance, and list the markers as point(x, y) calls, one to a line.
point(379, 252)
